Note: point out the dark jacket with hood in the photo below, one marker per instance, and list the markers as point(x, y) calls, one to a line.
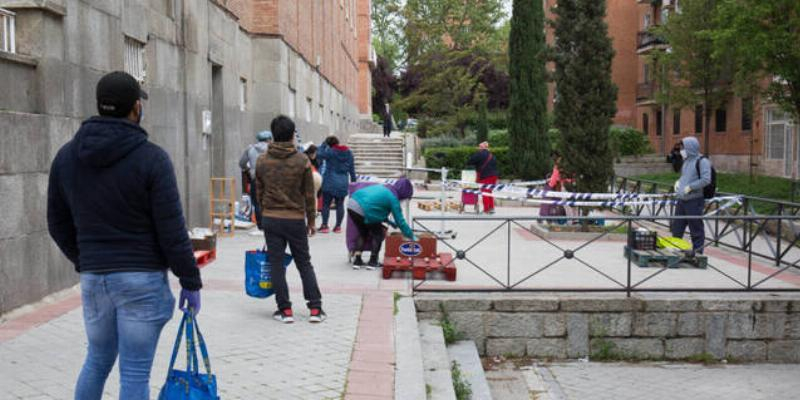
point(339, 166)
point(113, 203)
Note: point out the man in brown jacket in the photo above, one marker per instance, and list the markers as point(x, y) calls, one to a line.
point(285, 186)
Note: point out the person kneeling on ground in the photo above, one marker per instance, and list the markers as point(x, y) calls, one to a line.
point(689, 191)
point(285, 185)
point(370, 207)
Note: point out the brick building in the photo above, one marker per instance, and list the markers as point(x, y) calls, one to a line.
point(217, 71)
point(743, 133)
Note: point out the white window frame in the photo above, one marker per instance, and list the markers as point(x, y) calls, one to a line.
point(292, 103)
point(242, 94)
point(9, 30)
point(788, 130)
point(309, 105)
point(135, 59)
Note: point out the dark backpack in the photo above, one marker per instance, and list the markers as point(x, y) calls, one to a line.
point(710, 190)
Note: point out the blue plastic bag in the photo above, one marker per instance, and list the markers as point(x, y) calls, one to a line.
point(257, 273)
point(189, 384)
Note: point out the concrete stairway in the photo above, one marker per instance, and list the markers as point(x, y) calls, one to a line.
point(376, 155)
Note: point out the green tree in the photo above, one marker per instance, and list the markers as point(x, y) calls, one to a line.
point(483, 120)
point(586, 96)
point(387, 34)
point(527, 123)
point(692, 72)
point(764, 40)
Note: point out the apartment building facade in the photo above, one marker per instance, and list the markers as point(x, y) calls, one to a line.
point(217, 72)
point(745, 133)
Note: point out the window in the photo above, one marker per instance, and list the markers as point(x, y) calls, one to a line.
point(676, 121)
point(779, 134)
point(646, 124)
point(659, 123)
point(698, 119)
point(134, 59)
point(308, 109)
point(747, 114)
point(646, 23)
point(8, 40)
point(292, 101)
point(721, 120)
point(242, 94)
point(646, 73)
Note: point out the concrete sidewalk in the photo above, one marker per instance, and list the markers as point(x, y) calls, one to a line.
point(349, 356)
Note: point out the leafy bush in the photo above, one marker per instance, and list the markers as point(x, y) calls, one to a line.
point(628, 142)
point(498, 137)
point(461, 385)
point(455, 158)
point(449, 141)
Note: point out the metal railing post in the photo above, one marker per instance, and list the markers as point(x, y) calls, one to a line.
point(508, 256)
point(630, 255)
point(780, 235)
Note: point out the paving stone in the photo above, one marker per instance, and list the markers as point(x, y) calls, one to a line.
point(691, 324)
point(730, 305)
point(577, 335)
point(715, 335)
point(466, 304)
point(601, 305)
point(555, 324)
point(784, 351)
point(781, 306)
point(616, 324)
point(746, 350)
point(472, 325)
point(683, 348)
point(756, 326)
point(655, 324)
point(633, 348)
point(793, 326)
point(671, 305)
point(502, 325)
point(547, 348)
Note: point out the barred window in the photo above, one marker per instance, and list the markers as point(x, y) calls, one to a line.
point(135, 59)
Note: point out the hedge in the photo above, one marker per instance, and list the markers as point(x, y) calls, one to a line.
point(455, 159)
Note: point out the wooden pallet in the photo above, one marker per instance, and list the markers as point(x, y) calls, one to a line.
point(660, 258)
point(437, 205)
point(420, 267)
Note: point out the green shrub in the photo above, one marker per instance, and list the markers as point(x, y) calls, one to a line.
point(461, 385)
point(498, 120)
point(443, 141)
point(455, 158)
point(628, 142)
point(498, 137)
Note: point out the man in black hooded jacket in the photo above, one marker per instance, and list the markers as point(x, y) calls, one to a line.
point(114, 210)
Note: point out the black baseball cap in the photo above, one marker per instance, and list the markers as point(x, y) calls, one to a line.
point(117, 92)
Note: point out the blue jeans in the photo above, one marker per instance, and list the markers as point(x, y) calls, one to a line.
point(696, 227)
point(124, 313)
point(327, 199)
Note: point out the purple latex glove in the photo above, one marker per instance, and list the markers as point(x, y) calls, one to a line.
point(190, 299)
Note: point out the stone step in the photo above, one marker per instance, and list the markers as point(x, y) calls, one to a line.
point(380, 163)
point(465, 353)
point(368, 149)
point(436, 362)
point(409, 378)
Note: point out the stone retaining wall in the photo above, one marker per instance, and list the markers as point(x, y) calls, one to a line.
point(753, 329)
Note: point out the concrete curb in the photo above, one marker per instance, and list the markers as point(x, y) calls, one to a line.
point(409, 377)
point(465, 353)
point(436, 362)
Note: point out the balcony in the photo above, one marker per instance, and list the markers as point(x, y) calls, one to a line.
point(645, 93)
point(647, 41)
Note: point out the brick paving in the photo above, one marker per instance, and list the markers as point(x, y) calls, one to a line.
point(350, 356)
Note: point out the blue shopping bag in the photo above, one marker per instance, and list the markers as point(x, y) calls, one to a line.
point(190, 384)
point(257, 273)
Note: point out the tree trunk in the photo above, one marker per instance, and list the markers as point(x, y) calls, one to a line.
point(706, 129)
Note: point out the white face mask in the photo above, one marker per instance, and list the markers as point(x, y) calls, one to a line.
point(683, 154)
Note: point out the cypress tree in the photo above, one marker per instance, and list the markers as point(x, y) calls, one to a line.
point(483, 121)
point(586, 96)
point(527, 126)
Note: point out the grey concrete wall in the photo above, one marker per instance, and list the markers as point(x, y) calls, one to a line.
point(743, 327)
point(65, 46)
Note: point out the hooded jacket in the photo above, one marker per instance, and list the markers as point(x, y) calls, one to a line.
point(378, 201)
point(250, 157)
point(285, 183)
point(484, 168)
point(689, 175)
point(339, 166)
point(113, 203)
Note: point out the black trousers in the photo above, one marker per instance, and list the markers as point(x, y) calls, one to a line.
point(292, 232)
point(374, 231)
point(696, 228)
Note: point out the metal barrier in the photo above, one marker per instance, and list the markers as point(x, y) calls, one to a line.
point(500, 283)
point(7, 31)
point(778, 237)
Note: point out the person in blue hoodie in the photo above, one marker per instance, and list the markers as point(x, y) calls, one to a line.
point(370, 207)
point(689, 192)
point(337, 174)
point(114, 210)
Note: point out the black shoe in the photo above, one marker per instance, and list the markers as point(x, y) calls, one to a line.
point(358, 262)
point(317, 316)
point(286, 316)
point(373, 265)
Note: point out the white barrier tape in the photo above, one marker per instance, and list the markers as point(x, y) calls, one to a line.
point(606, 204)
point(542, 193)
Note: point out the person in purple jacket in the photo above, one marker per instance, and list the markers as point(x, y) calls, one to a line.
point(114, 210)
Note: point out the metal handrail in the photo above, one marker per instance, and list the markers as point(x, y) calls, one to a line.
point(8, 29)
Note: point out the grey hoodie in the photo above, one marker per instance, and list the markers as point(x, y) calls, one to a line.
point(250, 156)
point(689, 175)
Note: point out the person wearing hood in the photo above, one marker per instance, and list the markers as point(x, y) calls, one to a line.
point(689, 192)
point(339, 171)
point(248, 165)
point(113, 208)
point(285, 188)
point(370, 207)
